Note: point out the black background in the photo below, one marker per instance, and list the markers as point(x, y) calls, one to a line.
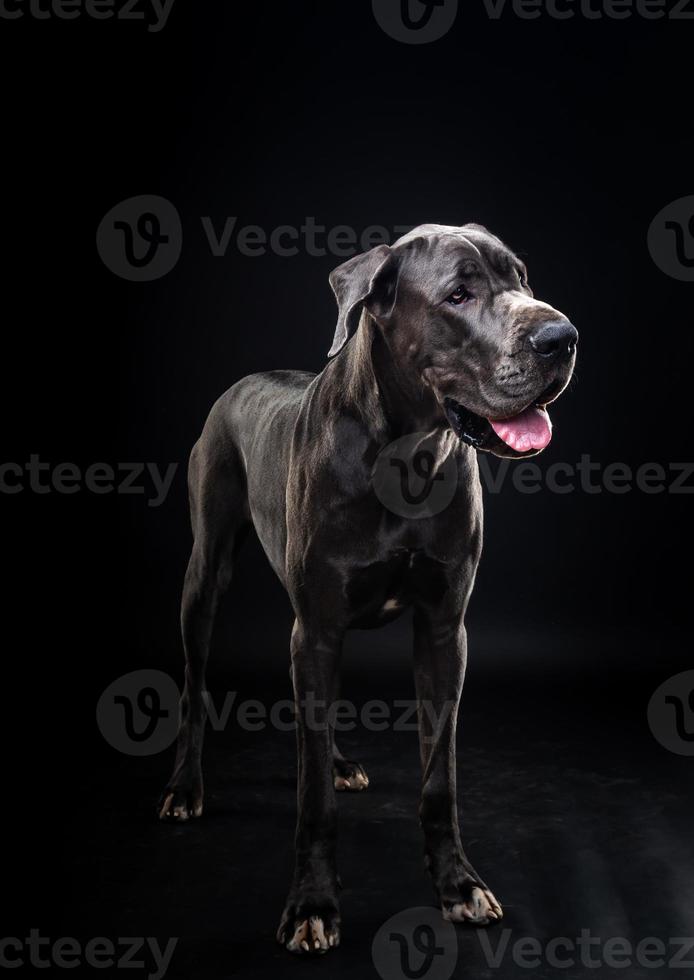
point(565, 139)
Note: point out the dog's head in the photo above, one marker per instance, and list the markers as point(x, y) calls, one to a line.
point(458, 315)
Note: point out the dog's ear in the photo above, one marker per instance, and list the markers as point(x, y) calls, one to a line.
point(368, 280)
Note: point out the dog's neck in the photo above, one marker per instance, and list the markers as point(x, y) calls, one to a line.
point(398, 403)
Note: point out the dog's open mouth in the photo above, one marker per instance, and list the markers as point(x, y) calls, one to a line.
point(529, 431)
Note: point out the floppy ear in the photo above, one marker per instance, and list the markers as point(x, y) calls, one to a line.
point(368, 280)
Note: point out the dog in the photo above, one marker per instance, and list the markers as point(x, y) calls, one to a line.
point(438, 334)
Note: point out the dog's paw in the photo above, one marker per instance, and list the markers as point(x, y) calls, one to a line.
point(349, 777)
point(309, 932)
point(478, 906)
point(179, 804)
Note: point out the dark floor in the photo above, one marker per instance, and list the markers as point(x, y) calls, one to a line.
point(573, 813)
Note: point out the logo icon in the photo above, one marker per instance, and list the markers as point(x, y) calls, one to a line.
point(138, 713)
point(671, 239)
point(671, 713)
point(415, 21)
point(417, 944)
point(408, 480)
point(140, 239)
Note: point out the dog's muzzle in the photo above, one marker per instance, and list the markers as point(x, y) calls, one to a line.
point(470, 428)
point(530, 431)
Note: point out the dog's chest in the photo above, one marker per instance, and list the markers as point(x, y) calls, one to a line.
point(382, 589)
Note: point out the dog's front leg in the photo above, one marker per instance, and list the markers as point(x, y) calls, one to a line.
point(311, 920)
point(440, 651)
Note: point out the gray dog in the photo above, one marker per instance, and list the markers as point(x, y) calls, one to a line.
point(438, 334)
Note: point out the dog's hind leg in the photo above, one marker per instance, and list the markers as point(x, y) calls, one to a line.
point(220, 517)
point(349, 777)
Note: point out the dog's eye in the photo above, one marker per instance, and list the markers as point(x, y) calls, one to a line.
point(461, 295)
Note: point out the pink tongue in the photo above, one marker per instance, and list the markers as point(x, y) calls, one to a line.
point(532, 429)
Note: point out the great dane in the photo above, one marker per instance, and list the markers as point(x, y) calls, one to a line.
point(438, 334)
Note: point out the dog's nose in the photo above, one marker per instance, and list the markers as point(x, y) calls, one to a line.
point(555, 339)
